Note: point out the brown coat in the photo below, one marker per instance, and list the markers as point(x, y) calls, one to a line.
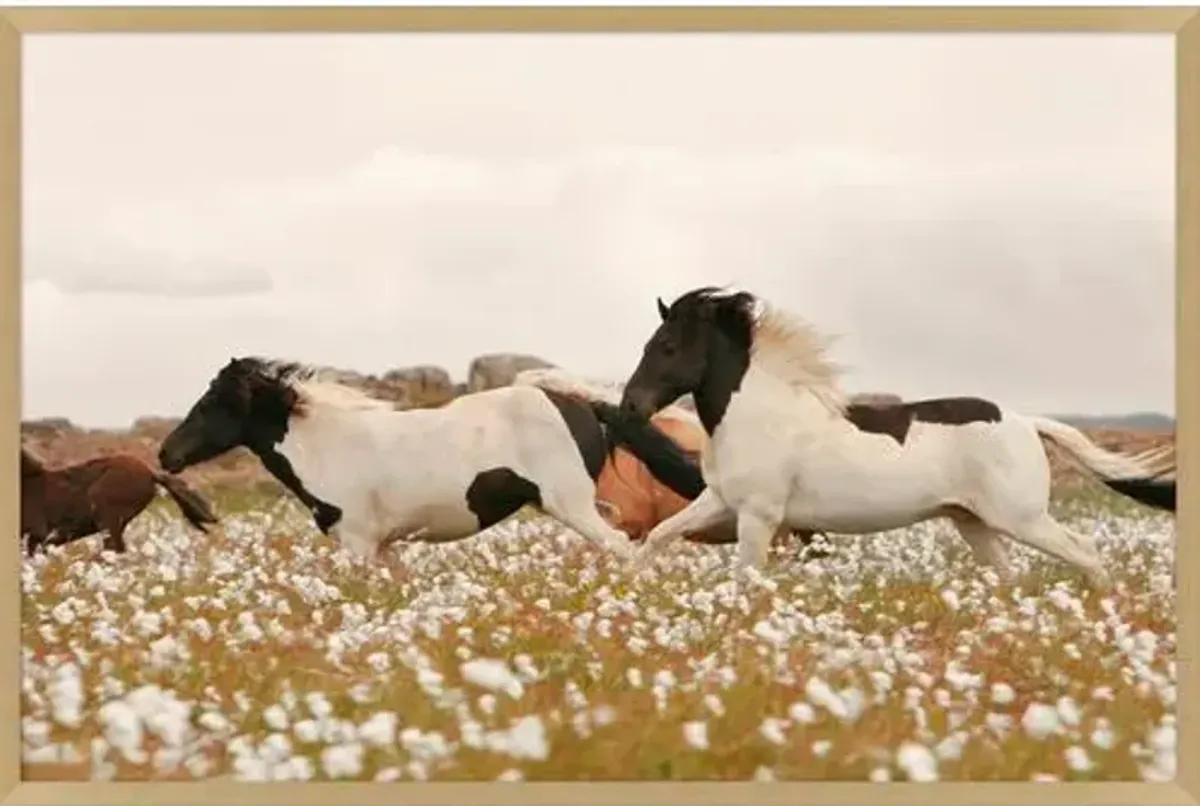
point(632, 500)
point(101, 494)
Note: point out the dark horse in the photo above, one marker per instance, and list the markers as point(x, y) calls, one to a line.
point(70, 502)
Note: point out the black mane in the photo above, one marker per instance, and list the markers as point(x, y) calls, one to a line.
point(255, 367)
point(732, 312)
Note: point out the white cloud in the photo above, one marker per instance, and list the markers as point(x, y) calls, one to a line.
point(940, 275)
point(987, 214)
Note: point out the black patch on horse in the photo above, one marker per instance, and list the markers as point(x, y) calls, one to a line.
point(891, 420)
point(955, 410)
point(499, 492)
point(895, 420)
point(585, 429)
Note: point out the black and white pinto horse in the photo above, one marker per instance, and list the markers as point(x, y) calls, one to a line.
point(373, 476)
point(787, 451)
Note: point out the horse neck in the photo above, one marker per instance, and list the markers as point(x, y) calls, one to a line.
point(725, 369)
point(323, 427)
point(769, 396)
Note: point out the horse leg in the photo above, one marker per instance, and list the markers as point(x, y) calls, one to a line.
point(756, 530)
point(721, 533)
point(1050, 537)
point(355, 542)
point(114, 536)
point(705, 512)
point(987, 544)
point(576, 507)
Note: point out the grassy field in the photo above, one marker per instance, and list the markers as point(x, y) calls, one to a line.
point(261, 652)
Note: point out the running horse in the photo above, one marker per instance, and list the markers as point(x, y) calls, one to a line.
point(69, 502)
point(373, 476)
point(628, 494)
point(788, 451)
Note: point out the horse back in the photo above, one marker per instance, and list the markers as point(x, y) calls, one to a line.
point(77, 486)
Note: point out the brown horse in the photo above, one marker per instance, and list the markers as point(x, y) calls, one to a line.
point(628, 495)
point(632, 500)
point(66, 503)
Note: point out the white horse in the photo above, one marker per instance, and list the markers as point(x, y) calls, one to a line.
point(787, 450)
point(373, 476)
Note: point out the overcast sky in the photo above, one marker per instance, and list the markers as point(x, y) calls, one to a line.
point(985, 214)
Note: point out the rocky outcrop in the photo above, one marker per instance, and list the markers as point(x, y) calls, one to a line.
point(875, 399)
point(47, 427)
point(421, 386)
point(499, 369)
point(155, 428)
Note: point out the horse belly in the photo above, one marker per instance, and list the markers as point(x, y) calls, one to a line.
point(854, 499)
point(431, 514)
point(443, 521)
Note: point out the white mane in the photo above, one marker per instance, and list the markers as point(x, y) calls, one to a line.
point(317, 387)
point(794, 351)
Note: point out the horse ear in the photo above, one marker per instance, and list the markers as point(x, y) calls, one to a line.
point(662, 309)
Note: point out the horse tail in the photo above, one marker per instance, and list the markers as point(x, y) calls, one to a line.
point(1156, 493)
point(665, 460)
point(195, 507)
point(1157, 489)
point(1106, 465)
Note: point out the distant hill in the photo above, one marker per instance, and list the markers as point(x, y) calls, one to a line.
point(1138, 421)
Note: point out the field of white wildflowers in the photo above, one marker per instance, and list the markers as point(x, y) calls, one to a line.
point(260, 652)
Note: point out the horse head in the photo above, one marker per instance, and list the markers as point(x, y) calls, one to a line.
point(695, 331)
point(248, 403)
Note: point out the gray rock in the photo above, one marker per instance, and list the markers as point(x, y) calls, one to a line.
point(875, 399)
point(499, 369)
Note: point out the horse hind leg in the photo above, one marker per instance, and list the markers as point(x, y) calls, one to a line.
point(1051, 537)
point(499, 492)
point(987, 544)
point(114, 536)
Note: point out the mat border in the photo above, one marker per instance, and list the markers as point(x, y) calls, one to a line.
point(1183, 22)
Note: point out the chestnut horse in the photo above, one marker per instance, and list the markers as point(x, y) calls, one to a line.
point(627, 493)
point(70, 502)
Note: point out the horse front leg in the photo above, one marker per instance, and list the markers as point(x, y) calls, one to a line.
point(756, 530)
point(705, 512)
point(114, 536)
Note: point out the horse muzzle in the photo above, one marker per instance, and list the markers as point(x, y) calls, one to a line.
point(638, 403)
point(170, 460)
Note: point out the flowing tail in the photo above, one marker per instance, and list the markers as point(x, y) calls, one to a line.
point(195, 507)
point(1108, 466)
point(665, 460)
point(1157, 488)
